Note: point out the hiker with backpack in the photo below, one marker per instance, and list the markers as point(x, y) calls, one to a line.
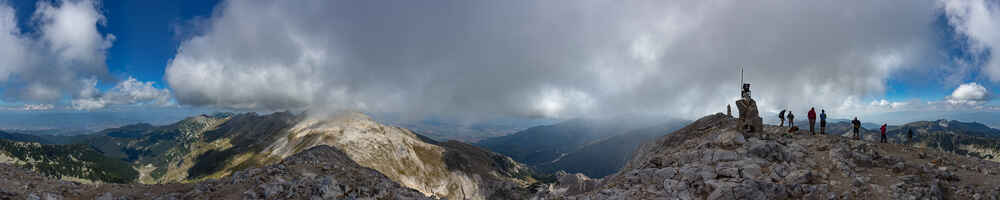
point(812, 120)
point(884, 140)
point(781, 115)
point(822, 122)
point(857, 128)
point(791, 119)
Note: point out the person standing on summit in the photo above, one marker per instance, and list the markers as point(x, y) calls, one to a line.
point(791, 119)
point(812, 121)
point(884, 140)
point(857, 128)
point(822, 122)
point(781, 115)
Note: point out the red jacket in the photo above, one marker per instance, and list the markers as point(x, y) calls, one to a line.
point(883, 129)
point(812, 114)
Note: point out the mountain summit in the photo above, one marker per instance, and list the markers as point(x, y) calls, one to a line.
point(712, 159)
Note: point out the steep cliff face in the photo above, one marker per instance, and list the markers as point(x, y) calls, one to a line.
point(710, 159)
point(402, 156)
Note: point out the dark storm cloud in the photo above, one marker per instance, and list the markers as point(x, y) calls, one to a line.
point(548, 58)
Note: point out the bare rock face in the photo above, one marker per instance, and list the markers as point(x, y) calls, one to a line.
point(568, 184)
point(712, 159)
point(750, 120)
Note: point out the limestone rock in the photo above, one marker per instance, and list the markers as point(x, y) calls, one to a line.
point(730, 139)
point(799, 177)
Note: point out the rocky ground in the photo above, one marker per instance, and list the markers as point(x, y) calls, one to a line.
point(321, 172)
point(710, 159)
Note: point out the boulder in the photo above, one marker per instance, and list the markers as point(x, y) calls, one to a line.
point(730, 139)
point(752, 171)
point(799, 177)
point(725, 156)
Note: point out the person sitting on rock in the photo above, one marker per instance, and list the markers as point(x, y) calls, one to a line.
point(822, 121)
point(857, 128)
point(781, 115)
point(791, 119)
point(812, 120)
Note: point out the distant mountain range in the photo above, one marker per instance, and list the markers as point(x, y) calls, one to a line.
point(607, 156)
point(452, 129)
point(594, 147)
point(963, 138)
point(207, 147)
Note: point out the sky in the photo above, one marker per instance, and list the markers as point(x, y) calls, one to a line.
point(477, 59)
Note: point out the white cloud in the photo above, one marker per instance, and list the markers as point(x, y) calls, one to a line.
point(680, 58)
point(36, 107)
point(970, 94)
point(979, 22)
point(46, 65)
point(128, 92)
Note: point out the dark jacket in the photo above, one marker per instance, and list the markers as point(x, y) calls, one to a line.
point(812, 114)
point(781, 114)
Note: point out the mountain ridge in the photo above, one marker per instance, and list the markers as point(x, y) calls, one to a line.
point(710, 159)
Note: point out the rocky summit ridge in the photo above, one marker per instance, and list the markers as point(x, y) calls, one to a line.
point(713, 159)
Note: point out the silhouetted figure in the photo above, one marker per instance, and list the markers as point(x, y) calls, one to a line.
point(884, 140)
point(857, 128)
point(812, 120)
point(781, 115)
point(822, 121)
point(909, 135)
point(745, 92)
point(791, 119)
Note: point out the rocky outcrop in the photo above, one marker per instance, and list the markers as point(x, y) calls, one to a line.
point(712, 159)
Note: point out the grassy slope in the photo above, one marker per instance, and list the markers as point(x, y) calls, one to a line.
point(79, 161)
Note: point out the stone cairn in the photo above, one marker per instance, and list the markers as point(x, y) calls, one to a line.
point(750, 120)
